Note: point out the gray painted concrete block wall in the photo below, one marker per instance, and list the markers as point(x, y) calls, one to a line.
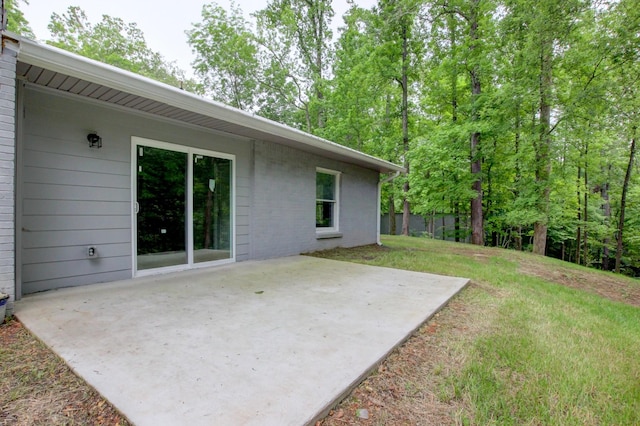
point(7, 170)
point(284, 203)
point(74, 196)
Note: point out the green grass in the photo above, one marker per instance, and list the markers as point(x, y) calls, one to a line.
point(541, 352)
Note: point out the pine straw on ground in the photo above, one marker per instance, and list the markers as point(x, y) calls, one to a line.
point(38, 388)
point(410, 387)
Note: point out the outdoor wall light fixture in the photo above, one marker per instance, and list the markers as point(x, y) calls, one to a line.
point(95, 141)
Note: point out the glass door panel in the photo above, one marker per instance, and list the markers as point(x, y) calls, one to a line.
point(161, 209)
point(211, 208)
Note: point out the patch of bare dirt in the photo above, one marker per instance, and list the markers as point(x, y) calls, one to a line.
point(609, 286)
point(38, 388)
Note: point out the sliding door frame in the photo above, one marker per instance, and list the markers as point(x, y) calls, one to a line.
point(191, 152)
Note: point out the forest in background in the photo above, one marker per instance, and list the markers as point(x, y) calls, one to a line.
point(517, 117)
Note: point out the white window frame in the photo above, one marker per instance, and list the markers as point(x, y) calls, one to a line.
point(336, 208)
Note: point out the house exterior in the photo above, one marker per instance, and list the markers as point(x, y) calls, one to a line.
point(106, 175)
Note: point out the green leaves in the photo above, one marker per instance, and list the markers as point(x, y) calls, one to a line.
point(115, 42)
point(16, 22)
point(226, 56)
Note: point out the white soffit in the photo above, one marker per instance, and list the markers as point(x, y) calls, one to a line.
point(101, 77)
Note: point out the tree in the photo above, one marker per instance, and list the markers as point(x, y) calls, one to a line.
point(226, 56)
point(461, 33)
point(351, 101)
point(625, 58)
point(295, 36)
point(477, 223)
point(114, 42)
point(623, 199)
point(16, 21)
point(548, 29)
point(473, 12)
point(397, 62)
point(440, 176)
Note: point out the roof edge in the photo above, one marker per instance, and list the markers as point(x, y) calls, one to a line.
point(58, 60)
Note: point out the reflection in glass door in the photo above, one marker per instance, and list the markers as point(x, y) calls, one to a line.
point(211, 208)
point(161, 208)
point(184, 206)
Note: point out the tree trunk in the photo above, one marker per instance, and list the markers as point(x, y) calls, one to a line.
point(585, 257)
point(207, 220)
point(539, 238)
point(320, 94)
point(406, 211)
point(392, 215)
point(543, 147)
point(432, 224)
point(518, 242)
point(604, 193)
point(456, 223)
point(579, 230)
point(307, 115)
point(208, 211)
point(477, 222)
point(453, 32)
point(319, 67)
point(623, 199)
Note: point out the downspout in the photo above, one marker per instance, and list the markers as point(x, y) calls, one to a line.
point(388, 179)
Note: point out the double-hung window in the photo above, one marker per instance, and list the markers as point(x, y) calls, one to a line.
point(327, 200)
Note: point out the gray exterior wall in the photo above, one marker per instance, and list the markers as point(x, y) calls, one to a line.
point(283, 221)
point(7, 170)
point(73, 196)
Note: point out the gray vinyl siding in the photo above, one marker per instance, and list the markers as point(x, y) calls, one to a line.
point(285, 196)
point(73, 196)
point(7, 170)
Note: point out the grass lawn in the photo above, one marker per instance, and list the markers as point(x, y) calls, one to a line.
point(532, 341)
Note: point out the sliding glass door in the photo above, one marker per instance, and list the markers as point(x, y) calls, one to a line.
point(162, 207)
point(183, 206)
point(211, 208)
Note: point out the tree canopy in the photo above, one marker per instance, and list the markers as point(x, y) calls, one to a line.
point(16, 20)
point(115, 42)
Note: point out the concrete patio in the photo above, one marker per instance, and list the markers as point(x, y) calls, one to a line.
point(273, 342)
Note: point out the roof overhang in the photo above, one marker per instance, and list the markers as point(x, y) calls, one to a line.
point(48, 66)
